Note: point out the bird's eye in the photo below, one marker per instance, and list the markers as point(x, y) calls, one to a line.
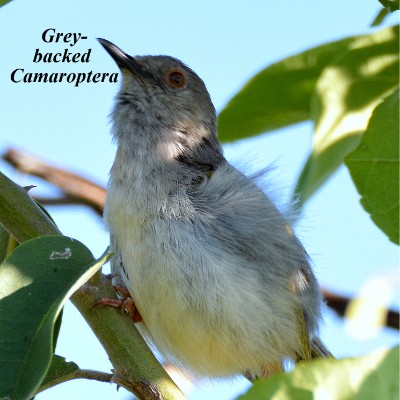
point(175, 79)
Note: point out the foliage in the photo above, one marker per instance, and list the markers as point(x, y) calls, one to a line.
point(371, 377)
point(374, 166)
point(3, 2)
point(45, 271)
point(349, 89)
point(58, 370)
point(337, 85)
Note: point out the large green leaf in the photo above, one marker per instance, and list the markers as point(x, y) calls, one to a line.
point(346, 93)
point(35, 280)
point(372, 377)
point(279, 95)
point(374, 167)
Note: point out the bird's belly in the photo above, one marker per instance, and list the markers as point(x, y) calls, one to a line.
point(195, 310)
point(197, 323)
point(186, 333)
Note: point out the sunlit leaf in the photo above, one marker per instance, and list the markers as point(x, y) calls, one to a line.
point(346, 93)
point(35, 281)
point(372, 377)
point(278, 96)
point(374, 167)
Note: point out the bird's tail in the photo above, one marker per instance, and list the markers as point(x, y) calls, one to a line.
point(318, 349)
point(312, 347)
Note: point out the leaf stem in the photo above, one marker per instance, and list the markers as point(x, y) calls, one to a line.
point(79, 374)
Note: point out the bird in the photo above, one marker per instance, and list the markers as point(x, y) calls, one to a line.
point(216, 278)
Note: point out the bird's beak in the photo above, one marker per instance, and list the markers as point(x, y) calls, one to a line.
point(123, 60)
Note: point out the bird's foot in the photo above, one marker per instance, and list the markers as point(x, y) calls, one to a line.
point(125, 303)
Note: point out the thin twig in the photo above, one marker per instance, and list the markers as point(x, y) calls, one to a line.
point(79, 374)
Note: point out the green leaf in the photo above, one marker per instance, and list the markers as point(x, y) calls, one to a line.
point(371, 377)
point(4, 240)
point(346, 93)
point(35, 281)
point(279, 95)
point(59, 370)
point(374, 167)
point(380, 17)
point(20, 215)
point(57, 327)
point(391, 5)
point(57, 324)
point(2, 2)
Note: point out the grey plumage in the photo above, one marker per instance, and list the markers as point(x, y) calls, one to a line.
point(220, 280)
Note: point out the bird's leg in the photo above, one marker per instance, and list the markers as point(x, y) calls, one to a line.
point(125, 303)
point(268, 371)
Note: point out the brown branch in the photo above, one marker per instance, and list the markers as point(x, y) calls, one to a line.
point(78, 190)
point(339, 304)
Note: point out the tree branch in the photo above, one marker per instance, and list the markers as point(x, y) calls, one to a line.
point(339, 304)
point(79, 190)
point(76, 188)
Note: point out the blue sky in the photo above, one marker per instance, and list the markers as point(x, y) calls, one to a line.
point(225, 42)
